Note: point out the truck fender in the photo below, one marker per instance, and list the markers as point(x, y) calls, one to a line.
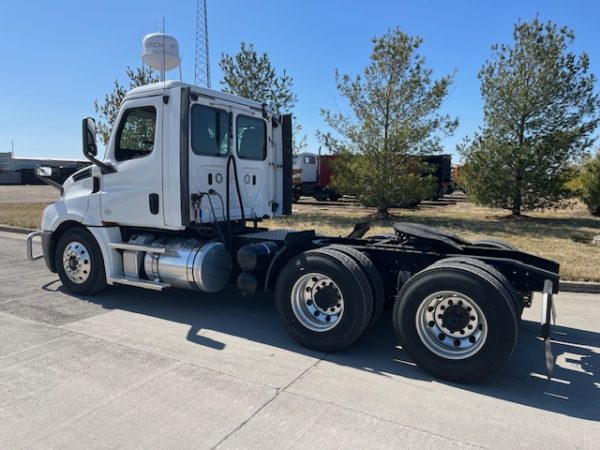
point(283, 255)
point(113, 262)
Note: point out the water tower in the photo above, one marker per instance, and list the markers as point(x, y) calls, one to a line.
point(161, 53)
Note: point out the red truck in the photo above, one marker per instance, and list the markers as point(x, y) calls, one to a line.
point(312, 177)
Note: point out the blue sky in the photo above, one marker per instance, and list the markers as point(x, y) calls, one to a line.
point(59, 56)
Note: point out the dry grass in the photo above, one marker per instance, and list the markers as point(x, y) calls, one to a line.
point(25, 215)
point(562, 235)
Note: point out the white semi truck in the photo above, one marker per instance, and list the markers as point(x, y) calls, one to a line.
point(177, 202)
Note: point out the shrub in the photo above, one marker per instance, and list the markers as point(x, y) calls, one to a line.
point(590, 184)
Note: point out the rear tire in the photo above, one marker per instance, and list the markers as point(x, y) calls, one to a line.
point(433, 313)
point(495, 243)
point(321, 284)
point(375, 281)
point(510, 290)
point(79, 262)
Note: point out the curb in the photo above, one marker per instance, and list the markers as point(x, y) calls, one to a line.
point(582, 287)
point(19, 230)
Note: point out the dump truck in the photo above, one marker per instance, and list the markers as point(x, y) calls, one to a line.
point(178, 202)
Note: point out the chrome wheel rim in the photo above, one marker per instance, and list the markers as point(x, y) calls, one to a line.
point(77, 262)
point(317, 302)
point(451, 325)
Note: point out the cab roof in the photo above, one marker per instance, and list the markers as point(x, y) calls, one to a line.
point(170, 84)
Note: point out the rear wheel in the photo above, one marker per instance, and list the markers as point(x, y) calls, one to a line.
point(508, 288)
point(495, 243)
point(523, 297)
point(79, 262)
point(323, 300)
point(375, 281)
point(457, 322)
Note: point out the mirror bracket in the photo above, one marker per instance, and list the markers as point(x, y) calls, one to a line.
point(40, 175)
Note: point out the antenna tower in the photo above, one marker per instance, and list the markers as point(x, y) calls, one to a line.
point(202, 68)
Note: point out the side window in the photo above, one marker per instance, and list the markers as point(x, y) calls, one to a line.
point(210, 131)
point(135, 138)
point(310, 160)
point(251, 138)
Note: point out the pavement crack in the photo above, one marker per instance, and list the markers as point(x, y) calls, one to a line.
point(268, 402)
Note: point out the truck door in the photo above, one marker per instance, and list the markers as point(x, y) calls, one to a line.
point(218, 132)
point(309, 168)
point(133, 195)
point(256, 162)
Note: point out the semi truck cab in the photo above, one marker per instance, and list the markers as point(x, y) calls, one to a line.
point(177, 202)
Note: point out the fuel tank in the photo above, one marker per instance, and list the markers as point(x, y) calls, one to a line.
point(190, 264)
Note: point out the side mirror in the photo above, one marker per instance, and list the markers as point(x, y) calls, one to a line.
point(42, 171)
point(90, 149)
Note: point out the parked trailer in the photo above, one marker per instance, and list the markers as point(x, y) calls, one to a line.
point(177, 202)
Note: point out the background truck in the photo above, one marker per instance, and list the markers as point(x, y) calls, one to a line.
point(313, 173)
point(177, 202)
point(312, 177)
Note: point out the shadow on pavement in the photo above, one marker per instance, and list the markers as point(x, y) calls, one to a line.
point(574, 389)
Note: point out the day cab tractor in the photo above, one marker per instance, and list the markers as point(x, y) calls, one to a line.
point(177, 202)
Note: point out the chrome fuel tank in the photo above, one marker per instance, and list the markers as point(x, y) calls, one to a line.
point(190, 264)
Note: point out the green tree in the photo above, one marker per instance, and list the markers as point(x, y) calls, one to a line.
point(109, 109)
point(252, 76)
point(539, 115)
point(589, 184)
point(393, 117)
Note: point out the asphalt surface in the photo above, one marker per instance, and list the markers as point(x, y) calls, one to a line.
point(139, 369)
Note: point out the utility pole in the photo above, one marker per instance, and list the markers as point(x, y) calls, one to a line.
point(202, 67)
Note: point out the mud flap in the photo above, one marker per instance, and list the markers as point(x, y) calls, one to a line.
point(548, 314)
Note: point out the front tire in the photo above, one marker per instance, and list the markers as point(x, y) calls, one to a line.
point(323, 300)
point(79, 262)
point(457, 322)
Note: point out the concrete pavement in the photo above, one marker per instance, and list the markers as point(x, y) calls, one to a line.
point(132, 368)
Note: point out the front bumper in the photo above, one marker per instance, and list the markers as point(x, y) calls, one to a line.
point(47, 238)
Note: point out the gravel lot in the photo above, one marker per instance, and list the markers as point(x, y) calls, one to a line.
point(138, 369)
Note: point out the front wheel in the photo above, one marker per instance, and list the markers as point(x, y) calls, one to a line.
point(457, 322)
point(79, 262)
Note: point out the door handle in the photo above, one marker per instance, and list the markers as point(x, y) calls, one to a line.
point(153, 202)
